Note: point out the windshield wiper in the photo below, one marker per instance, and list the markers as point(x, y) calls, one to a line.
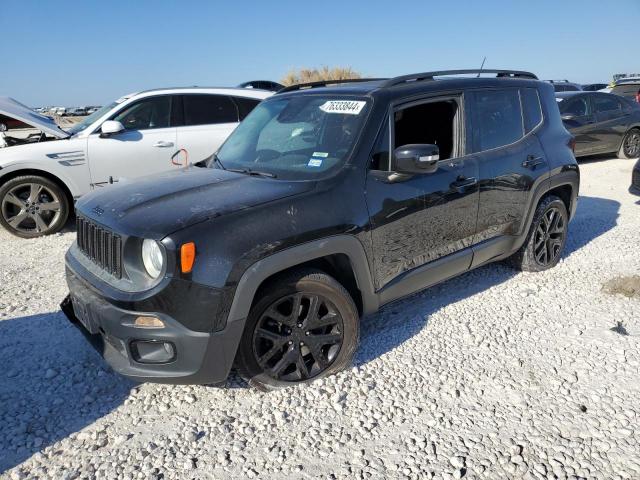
point(255, 173)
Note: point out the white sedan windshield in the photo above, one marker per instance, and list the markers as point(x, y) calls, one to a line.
point(80, 126)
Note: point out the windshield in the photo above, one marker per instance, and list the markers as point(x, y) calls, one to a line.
point(80, 126)
point(295, 138)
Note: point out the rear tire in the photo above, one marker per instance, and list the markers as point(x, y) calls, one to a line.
point(546, 238)
point(630, 147)
point(32, 206)
point(304, 326)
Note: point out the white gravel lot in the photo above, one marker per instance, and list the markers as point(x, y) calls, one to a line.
point(495, 374)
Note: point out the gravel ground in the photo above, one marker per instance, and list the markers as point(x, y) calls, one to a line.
point(495, 374)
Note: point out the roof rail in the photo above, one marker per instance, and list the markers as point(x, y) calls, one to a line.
point(324, 83)
point(418, 77)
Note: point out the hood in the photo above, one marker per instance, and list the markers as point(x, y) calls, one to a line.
point(158, 205)
point(14, 109)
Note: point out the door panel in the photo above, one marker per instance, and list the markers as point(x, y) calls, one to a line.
point(582, 125)
point(611, 121)
point(143, 148)
point(131, 154)
point(507, 179)
point(422, 219)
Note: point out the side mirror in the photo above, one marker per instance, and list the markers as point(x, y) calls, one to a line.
point(416, 158)
point(3, 127)
point(111, 127)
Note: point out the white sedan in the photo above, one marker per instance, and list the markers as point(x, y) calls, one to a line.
point(42, 174)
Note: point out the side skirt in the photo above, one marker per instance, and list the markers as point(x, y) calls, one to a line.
point(450, 266)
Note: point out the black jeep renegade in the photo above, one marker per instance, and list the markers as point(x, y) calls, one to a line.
point(328, 201)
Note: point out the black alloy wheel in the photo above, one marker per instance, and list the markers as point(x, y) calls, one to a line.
point(302, 326)
point(549, 237)
point(298, 337)
point(546, 238)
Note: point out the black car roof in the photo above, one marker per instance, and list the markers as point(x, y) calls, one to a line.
point(417, 83)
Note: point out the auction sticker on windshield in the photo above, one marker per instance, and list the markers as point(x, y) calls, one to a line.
point(349, 107)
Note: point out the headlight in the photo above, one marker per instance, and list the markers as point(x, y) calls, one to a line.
point(152, 258)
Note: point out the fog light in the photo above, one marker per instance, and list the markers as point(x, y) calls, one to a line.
point(148, 322)
point(151, 351)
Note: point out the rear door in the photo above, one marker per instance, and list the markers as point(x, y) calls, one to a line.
point(208, 120)
point(144, 147)
point(579, 119)
point(511, 161)
point(611, 121)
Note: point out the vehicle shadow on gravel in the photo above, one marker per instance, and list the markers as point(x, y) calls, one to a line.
point(399, 321)
point(595, 216)
point(52, 384)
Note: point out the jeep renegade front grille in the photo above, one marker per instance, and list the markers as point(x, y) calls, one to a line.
point(100, 245)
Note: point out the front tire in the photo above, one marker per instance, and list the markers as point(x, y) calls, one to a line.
point(303, 327)
point(630, 147)
point(546, 238)
point(32, 206)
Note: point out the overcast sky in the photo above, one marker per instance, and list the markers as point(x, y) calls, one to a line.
point(75, 53)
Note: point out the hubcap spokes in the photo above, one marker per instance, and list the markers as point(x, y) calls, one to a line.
point(298, 337)
point(30, 207)
point(632, 145)
point(549, 237)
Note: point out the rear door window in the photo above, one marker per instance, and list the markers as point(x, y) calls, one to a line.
point(209, 109)
point(606, 104)
point(496, 117)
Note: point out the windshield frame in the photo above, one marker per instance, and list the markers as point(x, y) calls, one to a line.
point(347, 160)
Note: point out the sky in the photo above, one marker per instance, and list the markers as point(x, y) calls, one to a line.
point(76, 53)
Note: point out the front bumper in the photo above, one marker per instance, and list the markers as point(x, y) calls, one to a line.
point(197, 357)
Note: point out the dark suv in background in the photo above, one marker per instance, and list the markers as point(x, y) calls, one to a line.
point(327, 202)
point(565, 86)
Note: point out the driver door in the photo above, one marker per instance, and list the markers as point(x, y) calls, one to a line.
point(419, 219)
point(144, 147)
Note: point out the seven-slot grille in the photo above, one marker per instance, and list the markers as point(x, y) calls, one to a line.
point(101, 246)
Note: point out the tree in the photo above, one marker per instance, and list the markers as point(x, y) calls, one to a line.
point(305, 75)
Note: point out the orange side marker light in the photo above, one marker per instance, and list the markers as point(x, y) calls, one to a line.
point(187, 257)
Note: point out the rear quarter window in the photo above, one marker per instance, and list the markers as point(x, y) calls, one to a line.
point(531, 108)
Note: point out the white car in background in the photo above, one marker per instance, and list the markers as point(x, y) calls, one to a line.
point(42, 174)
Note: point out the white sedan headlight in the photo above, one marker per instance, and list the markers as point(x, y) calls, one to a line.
point(152, 258)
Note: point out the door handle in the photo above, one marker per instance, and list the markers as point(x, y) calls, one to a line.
point(462, 184)
point(162, 144)
point(532, 162)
